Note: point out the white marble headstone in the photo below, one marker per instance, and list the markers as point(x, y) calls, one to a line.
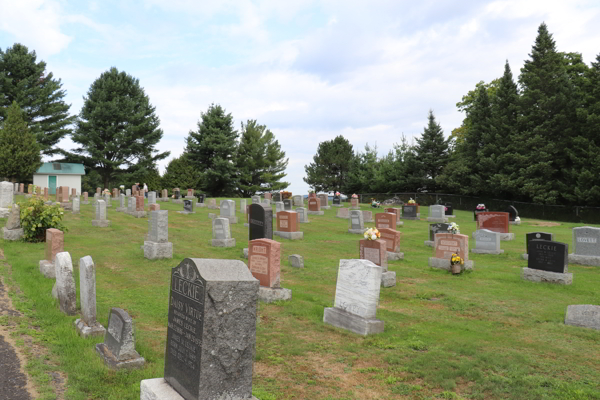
point(357, 288)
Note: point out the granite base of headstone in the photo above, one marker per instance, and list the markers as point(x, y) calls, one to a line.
point(157, 251)
point(411, 218)
point(86, 331)
point(118, 349)
point(514, 222)
point(121, 209)
point(232, 220)
point(223, 242)
point(392, 256)
point(296, 261)
point(437, 220)
point(584, 260)
point(538, 275)
point(483, 251)
point(442, 263)
point(47, 269)
point(12, 234)
point(429, 243)
point(315, 212)
point(159, 389)
point(101, 223)
point(177, 201)
point(583, 316)
point(269, 294)
point(186, 212)
point(289, 235)
point(138, 214)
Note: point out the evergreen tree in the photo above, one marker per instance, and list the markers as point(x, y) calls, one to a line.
point(431, 153)
point(212, 149)
point(117, 129)
point(546, 123)
point(260, 161)
point(38, 93)
point(180, 173)
point(331, 165)
point(19, 151)
point(363, 171)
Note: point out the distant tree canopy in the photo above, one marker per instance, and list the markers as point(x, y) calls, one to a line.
point(19, 152)
point(330, 167)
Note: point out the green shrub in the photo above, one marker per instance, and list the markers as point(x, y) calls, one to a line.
point(36, 217)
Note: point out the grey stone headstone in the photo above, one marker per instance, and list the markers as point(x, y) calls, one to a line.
point(278, 206)
point(287, 205)
point(188, 206)
point(324, 199)
point(6, 194)
point(437, 211)
point(211, 330)
point(487, 240)
point(101, 210)
point(266, 202)
point(356, 219)
point(298, 201)
point(128, 192)
point(221, 228)
point(107, 199)
point(122, 200)
point(583, 315)
point(296, 261)
point(65, 283)
point(586, 241)
point(227, 208)
point(159, 226)
point(151, 197)
point(87, 290)
point(96, 198)
point(130, 204)
point(75, 205)
point(243, 206)
point(358, 286)
point(255, 199)
point(14, 218)
point(302, 214)
point(16, 189)
point(120, 336)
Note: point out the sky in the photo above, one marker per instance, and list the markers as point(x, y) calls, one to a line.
point(308, 70)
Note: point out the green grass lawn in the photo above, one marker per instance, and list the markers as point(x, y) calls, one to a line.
point(484, 334)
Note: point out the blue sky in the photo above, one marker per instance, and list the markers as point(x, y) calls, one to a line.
point(309, 70)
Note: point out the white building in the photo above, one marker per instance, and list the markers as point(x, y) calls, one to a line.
point(52, 175)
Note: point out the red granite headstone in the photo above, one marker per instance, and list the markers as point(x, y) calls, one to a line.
point(287, 221)
point(396, 211)
point(374, 251)
point(46, 193)
point(264, 258)
point(190, 192)
point(385, 220)
point(154, 207)
point(64, 194)
point(493, 221)
point(447, 243)
point(139, 203)
point(85, 196)
point(73, 192)
point(314, 204)
point(22, 188)
point(392, 239)
point(55, 240)
point(268, 196)
point(354, 203)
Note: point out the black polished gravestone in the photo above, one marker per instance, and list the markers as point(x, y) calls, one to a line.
point(409, 210)
point(337, 200)
point(512, 213)
point(177, 194)
point(211, 331)
point(537, 235)
point(260, 221)
point(188, 206)
point(201, 197)
point(437, 228)
point(547, 255)
point(287, 205)
point(449, 209)
point(276, 197)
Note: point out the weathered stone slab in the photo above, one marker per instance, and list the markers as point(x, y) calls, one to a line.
point(87, 325)
point(296, 261)
point(583, 315)
point(118, 349)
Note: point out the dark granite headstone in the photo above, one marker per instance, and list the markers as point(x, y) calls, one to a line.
point(409, 210)
point(201, 197)
point(177, 194)
point(337, 200)
point(260, 222)
point(537, 235)
point(512, 213)
point(276, 197)
point(437, 228)
point(188, 206)
point(287, 204)
point(449, 209)
point(547, 255)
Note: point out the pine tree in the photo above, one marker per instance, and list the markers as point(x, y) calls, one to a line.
point(19, 152)
point(38, 93)
point(431, 153)
point(260, 161)
point(212, 149)
point(331, 165)
point(180, 173)
point(546, 123)
point(117, 129)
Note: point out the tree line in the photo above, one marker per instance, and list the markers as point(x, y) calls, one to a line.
point(534, 140)
point(117, 132)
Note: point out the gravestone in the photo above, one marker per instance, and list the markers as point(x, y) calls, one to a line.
point(16, 188)
point(12, 229)
point(151, 197)
point(486, 242)
point(586, 246)
point(211, 204)
point(278, 207)
point(449, 212)
point(154, 207)
point(476, 212)
point(227, 210)
point(343, 213)
point(314, 207)
point(260, 222)
point(324, 199)
point(266, 202)
point(495, 222)
point(122, 206)
point(392, 240)
point(65, 284)
point(264, 261)
point(356, 298)
point(287, 204)
point(177, 193)
point(535, 235)
point(583, 315)
point(157, 245)
point(210, 336)
point(398, 212)
point(46, 196)
point(87, 325)
point(433, 229)
point(356, 222)
point(22, 188)
point(6, 195)
point(101, 220)
point(190, 194)
point(337, 201)
point(188, 207)
point(243, 206)
point(302, 215)
point(118, 349)
point(367, 216)
point(376, 252)
point(298, 201)
point(55, 240)
point(201, 197)
point(128, 192)
point(255, 199)
point(385, 220)
point(75, 205)
point(296, 261)
point(275, 197)
point(64, 194)
point(437, 213)
point(139, 211)
point(107, 200)
point(445, 245)
point(409, 211)
point(512, 213)
point(354, 203)
point(287, 226)
point(221, 235)
point(548, 262)
point(131, 205)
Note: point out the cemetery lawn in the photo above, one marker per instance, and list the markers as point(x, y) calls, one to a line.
point(485, 334)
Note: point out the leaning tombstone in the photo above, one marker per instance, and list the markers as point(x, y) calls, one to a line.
point(188, 207)
point(55, 240)
point(356, 222)
point(375, 251)
point(122, 207)
point(433, 229)
point(324, 199)
point(437, 214)
point(157, 245)
point(314, 206)
point(75, 205)
point(12, 230)
point(118, 349)
point(343, 213)
point(87, 325)
point(486, 242)
point(65, 284)
point(447, 244)
point(221, 234)
point(227, 210)
point(583, 315)
point(210, 348)
point(302, 215)
point(548, 262)
point(287, 226)
point(586, 246)
point(535, 235)
point(356, 298)
point(101, 220)
point(264, 261)
point(392, 240)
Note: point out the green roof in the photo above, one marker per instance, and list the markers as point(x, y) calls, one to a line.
point(61, 169)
